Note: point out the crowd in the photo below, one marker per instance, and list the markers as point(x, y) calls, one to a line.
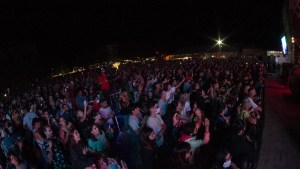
point(151, 115)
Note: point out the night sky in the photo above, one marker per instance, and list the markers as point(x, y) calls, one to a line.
point(42, 35)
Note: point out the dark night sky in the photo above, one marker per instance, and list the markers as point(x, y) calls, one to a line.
point(77, 32)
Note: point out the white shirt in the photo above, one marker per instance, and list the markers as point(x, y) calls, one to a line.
point(253, 105)
point(155, 123)
point(27, 120)
point(104, 112)
point(170, 97)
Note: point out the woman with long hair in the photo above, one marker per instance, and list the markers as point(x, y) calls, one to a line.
point(148, 149)
point(64, 129)
point(79, 155)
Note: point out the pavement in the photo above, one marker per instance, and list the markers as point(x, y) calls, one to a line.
point(280, 147)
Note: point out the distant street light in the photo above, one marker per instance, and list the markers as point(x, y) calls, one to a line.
point(219, 42)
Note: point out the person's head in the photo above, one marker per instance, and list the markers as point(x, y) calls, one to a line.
point(223, 158)
point(73, 137)
point(14, 159)
point(5, 133)
point(79, 93)
point(147, 136)
point(197, 86)
point(153, 106)
point(251, 92)
point(36, 123)
point(105, 163)
point(246, 88)
point(181, 153)
point(246, 104)
point(62, 121)
point(48, 131)
point(177, 106)
point(157, 86)
point(135, 110)
point(103, 103)
point(65, 107)
point(163, 94)
point(199, 113)
point(185, 97)
point(238, 127)
point(169, 86)
point(79, 113)
point(221, 107)
point(94, 130)
point(101, 162)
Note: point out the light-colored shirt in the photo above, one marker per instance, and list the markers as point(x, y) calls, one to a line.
point(104, 112)
point(163, 106)
point(156, 124)
point(253, 105)
point(134, 122)
point(27, 120)
point(170, 97)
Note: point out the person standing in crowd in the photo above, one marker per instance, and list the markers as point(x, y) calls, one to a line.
point(27, 119)
point(149, 149)
point(56, 150)
point(106, 112)
point(156, 123)
point(80, 98)
point(136, 121)
point(97, 141)
point(189, 136)
point(223, 160)
point(64, 112)
point(162, 103)
point(238, 143)
point(64, 129)
point(104, 83)
point(79, 153)
point(16, 162)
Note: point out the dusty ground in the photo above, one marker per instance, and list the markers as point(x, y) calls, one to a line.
point(281, 136)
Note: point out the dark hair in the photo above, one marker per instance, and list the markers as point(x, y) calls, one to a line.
point(179, 155)
point(146, 142)
point(237, 126)
point(90, 128)
point(97, 158)
point(36, 120)
point(251, 88)
point(71, 142)
point(220, 107)
point(151, 104)
point(133, 106)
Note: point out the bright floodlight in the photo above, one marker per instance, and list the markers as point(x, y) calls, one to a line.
point(219, 42)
